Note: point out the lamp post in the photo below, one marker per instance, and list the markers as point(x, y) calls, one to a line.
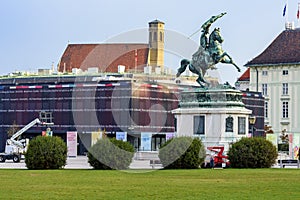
point(252, 120)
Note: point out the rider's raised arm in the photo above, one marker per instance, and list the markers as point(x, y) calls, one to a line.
point(209, 22)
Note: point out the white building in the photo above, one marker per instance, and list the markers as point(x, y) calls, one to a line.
point(276, 73)
point(243, 81)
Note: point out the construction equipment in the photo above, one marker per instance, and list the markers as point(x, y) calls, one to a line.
point(220, 160)
point(16, 147)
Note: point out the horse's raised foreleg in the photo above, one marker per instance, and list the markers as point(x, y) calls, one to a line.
point(237, 67)
point(183, 64)
point(227, 59)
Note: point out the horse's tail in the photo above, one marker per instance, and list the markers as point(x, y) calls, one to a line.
point(183, 64)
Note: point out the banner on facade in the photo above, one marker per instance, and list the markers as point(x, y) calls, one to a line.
point(95, 137)
point(121, 136)
point(291, 138)
point(169, 136)
point(272, 138)
point(146, 141)
point(72, 143)
point(296, 145)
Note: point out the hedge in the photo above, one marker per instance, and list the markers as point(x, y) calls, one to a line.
point(110, 154)
point(46, 153)
point(256, 152)
point(182, 153)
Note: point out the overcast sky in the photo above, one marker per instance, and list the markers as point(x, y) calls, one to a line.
point(35, 33)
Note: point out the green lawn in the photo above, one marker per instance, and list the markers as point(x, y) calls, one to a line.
point(160, 184)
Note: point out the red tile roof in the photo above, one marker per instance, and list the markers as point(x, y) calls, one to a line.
point(106, 57)
point(245, 76)
point(285, 49)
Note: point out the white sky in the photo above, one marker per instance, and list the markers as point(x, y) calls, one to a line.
point(35, 33)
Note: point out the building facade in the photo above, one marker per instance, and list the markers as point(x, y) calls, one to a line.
point(89, 104)
point(255, 102)
point(275, 74)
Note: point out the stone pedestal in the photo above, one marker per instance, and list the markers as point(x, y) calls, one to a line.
point(217, 115)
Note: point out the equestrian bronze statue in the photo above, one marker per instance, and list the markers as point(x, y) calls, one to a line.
point(209, 53)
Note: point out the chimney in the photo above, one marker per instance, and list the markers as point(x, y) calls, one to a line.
point(289, 26)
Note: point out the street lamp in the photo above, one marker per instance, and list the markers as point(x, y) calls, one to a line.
point(252, 120)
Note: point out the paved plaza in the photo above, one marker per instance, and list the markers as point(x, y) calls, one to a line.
point(79, 162)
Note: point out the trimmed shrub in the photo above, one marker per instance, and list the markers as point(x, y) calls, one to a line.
point(182, 153)
point(110, 154)
point(46, 153)
point(254, 152)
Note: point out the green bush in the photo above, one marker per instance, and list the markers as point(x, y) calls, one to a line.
point(46, 153)
point(182, 153)
point(110, 154)
point(254, 152)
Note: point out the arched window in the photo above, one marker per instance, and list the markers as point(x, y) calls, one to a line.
point(155, 36)
point(150, 37)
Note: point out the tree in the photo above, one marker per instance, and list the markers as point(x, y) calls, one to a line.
point(13, 129)
point(268, 130)
point(284, 137)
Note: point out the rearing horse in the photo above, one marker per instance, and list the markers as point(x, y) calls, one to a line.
point(216, 51)
point(209, 53)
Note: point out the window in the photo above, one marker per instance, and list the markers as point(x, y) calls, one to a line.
point(265, 73)
point(46, 117)
point(229, 124)
point(285, 109)
point(199, 125)
point(266, 109)
point(241, 125)
point(150, 37)
point(155, 36)
point(161, 36)
point(265, 89)
point(285, 72)
point(285, 88)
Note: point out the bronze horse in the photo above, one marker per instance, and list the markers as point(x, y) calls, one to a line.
point(209, 53)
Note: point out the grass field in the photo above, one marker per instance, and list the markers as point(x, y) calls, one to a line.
point(160, 184)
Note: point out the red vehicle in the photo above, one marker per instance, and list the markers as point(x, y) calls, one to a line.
point(220, 160)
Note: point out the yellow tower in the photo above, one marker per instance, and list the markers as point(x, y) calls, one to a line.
point(156, 45)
